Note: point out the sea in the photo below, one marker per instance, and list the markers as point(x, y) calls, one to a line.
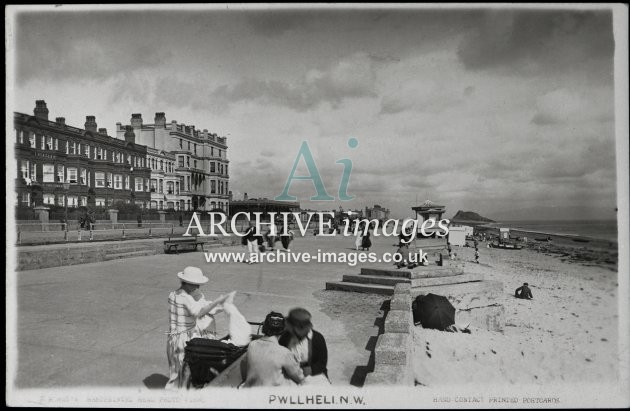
point(601, 229)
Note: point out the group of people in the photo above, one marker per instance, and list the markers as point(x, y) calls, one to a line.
point(265, 241)
point(363, 240)
point(290, 352)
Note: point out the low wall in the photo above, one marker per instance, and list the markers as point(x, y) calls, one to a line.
point(37, 257)
point(393, 354)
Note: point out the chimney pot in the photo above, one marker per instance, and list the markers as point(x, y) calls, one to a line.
point(90, 123)
point(130, 136)
point(61, 120)
point(102, 131)
point(136, 120)
point(40, 111)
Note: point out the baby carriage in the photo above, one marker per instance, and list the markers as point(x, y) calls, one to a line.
point(207, 359)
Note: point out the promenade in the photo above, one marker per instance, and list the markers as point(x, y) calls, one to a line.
point(102, 324)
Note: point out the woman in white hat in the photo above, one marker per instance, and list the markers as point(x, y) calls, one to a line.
point(192, 316)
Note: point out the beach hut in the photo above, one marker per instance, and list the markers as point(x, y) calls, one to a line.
point(504, 234)
point(457, 235)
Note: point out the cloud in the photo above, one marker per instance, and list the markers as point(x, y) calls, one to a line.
point(351, 77)
point(535, 41)
point(564, 106)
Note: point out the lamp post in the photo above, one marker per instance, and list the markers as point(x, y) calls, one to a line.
point(66, 188)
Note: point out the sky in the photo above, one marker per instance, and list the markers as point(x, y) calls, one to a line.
point(506, 112)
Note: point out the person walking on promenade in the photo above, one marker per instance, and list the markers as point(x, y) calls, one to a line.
point(267, 363)
point(477, 255)
point(251, 240)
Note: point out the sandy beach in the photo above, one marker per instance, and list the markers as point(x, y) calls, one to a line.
point(567, 333)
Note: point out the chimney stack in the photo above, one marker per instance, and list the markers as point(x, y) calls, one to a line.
point(230, 195)
point(61, 121)
point(136, 120)
point(41, 111)
point(245, 197)
point(102, 131)
point(160, 120)
point(130, 136)
point(90, 123)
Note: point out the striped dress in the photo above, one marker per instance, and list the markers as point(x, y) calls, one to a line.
point(184, 326)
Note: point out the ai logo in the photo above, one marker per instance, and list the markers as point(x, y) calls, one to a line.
point(322, 194)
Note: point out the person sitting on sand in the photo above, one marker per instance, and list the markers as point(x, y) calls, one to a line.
point(523, 292)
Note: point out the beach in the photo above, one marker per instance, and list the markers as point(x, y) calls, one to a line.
point(567, 333)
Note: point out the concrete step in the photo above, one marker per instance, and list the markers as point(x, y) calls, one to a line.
point(374, 279)
point(428, 271)
point(452, 279)
point(141, 253)
point(360, 288)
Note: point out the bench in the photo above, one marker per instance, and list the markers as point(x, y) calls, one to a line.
point(177, 244)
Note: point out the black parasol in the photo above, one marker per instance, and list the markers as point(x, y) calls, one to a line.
point(433, 311)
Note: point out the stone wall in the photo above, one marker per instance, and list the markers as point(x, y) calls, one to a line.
point(394, 348)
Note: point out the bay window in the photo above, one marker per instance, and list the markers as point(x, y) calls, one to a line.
point(49, 173)
point(99, 179)
point(72, 175)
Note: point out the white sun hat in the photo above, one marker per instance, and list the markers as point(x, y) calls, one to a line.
point(192, 275)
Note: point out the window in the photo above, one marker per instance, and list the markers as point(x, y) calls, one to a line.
point(25, 169)
point(187, 161)
point(99, 179)
point(213, 205)
point(195, 163)
point(98, 153)
point(153, 185)
point(212, 151)
point(49, 173)
point(73, 201)
point(67, 147)
point(160, 186)
point(49, 199)
point(73, 148)
point(26, 198)
point(177, 187)
point(72, 175)
point(161, 205)
point(109, 180)
point(170, 205)
point(105, 154)
point(128, 158)
point(189, 146)
point(146, 184)
point(34, 172)
point(188, 185)
point(83, 176)
point(219, 152)
point(169, 187)
point(126, 182)
point(118, 182)
point(162, 165)
point(56, 143)
point(88, 178)
point(100, 202)
point(213, 167)
point(180, 160)
point(153, 205)
point(31, 139)
point(83, 201)
point(226, 169)
point(181, 143)
point(86, 148)
point(195, 146)
point(60, 174)
point(139, 185)
point(213, 187)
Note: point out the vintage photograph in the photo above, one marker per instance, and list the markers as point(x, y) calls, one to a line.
point(317, 206)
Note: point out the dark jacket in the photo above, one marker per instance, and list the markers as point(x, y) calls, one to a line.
point(318, 352)
point(523, 292)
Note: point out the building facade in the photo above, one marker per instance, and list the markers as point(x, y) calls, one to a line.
point(377, 213)
point(58, 164)
point(199, 175)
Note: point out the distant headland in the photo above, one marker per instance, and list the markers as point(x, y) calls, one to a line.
point(469, 217)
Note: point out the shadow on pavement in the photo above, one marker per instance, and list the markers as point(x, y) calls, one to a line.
point(361, 371)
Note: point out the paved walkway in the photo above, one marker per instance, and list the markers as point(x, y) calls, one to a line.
point(102, 324)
